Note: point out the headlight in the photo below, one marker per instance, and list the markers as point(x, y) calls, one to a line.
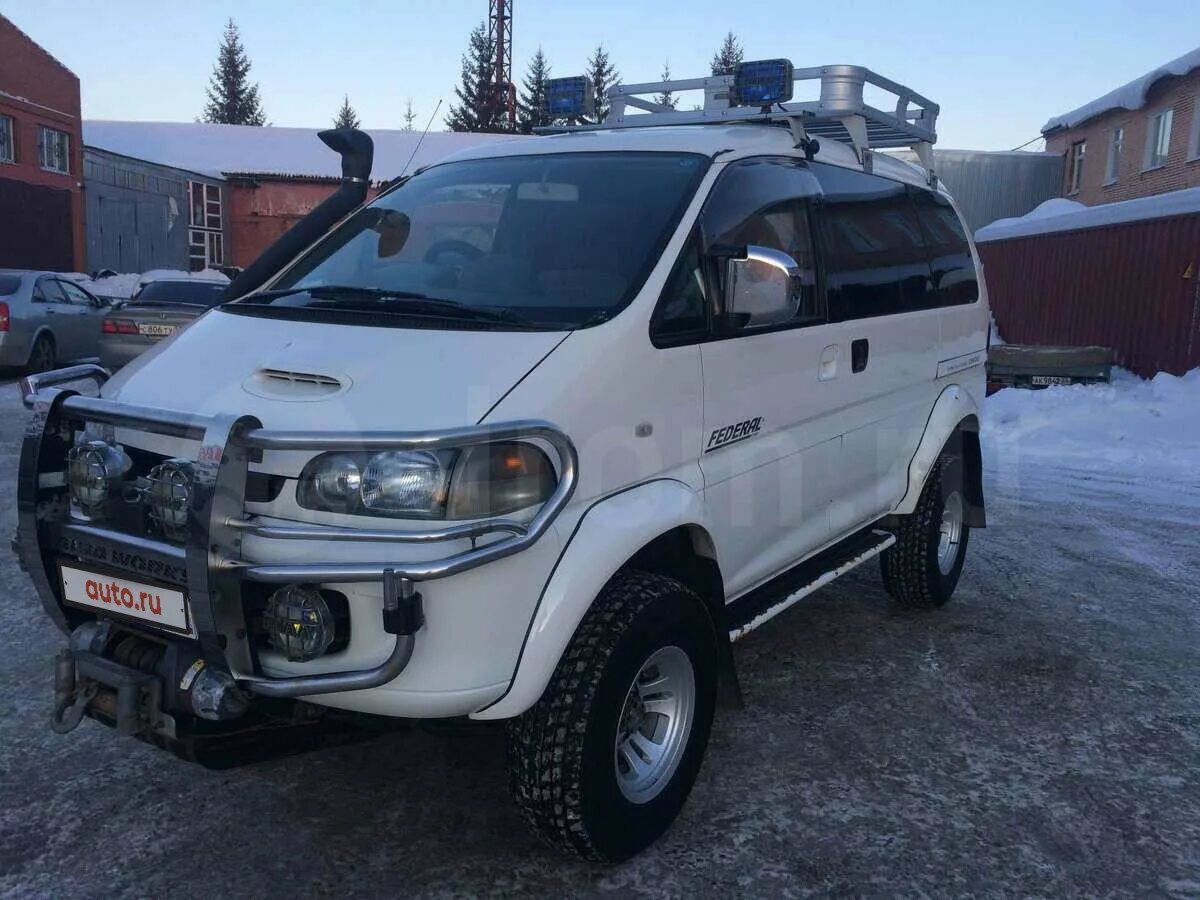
point(93, 468)
point(480, 481)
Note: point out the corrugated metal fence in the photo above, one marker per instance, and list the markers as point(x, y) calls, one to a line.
point(1134, 287)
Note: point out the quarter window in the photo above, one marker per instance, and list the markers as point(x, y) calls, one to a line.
point(54, 150)
point(1078, 151)
point(7, 144)
point(1112, 165)
point(1158, 138)
point(951, 266)
point(682, 312)
point(872, 246)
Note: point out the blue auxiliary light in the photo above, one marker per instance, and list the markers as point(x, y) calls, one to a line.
point(762, 82)
point(570, 98)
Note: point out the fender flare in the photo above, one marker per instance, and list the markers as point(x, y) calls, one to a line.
point(621, 524)
point(955, 412)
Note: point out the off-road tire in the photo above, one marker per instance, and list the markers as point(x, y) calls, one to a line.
point(561, 751)
point(911, 573)
point(41, 354)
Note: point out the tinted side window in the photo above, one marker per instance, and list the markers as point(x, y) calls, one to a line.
point(48, 291)
point(682, 311)
point(872, 246)
point(764, 202)
point(949, 253)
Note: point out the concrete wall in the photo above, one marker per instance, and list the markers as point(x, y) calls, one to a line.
point(1133, 180)
point(41, 212)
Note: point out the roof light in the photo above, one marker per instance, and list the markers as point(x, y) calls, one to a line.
point(762, 82)
point(570, 98)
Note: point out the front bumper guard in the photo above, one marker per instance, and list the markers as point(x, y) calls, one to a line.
point(211, 557)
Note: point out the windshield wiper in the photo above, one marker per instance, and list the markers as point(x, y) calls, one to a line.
point(413, 303)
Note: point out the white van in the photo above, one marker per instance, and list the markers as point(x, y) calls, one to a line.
point(534, 436)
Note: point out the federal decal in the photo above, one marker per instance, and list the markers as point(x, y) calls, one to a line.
point(731, 434)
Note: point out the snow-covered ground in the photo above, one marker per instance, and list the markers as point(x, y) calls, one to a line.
point(1133, 429)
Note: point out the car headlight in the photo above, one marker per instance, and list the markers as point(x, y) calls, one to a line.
point(480, 481)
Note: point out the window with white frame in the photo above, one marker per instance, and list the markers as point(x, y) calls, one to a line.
point(1158, 138)
point(7, 142)
point(1112, 165)
point(1078, 152)
point(54, 150)
point(206, 244)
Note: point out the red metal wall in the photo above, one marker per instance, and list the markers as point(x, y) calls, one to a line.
point(1134, 287)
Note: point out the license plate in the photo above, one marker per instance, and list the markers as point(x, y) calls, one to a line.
point(151, 329)
point(1050, 379)
point(152, 604)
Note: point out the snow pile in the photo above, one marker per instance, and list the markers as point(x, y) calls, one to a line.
point(1135, 430)
point(1128, 96)
point(1067, 215)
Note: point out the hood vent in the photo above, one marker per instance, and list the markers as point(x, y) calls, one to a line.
point(282, 384)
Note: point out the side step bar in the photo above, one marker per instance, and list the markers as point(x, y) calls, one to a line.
point(764, 603)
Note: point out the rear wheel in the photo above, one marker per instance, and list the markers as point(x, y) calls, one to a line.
point(603, 762)
point(42, 356)
point(922, 568)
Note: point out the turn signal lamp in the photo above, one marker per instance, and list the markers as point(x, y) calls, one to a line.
point(762, 82)
point(570, 98)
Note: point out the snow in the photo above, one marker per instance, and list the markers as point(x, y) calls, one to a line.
point(216, 149)
point(1128, 96)
point(1142, 432)
point(1067, 215)
point(124, 285)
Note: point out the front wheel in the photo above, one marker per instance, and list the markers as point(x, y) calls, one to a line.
point(603, 762)
point(922, 568)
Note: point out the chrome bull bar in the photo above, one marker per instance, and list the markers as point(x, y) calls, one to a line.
point(211, 557)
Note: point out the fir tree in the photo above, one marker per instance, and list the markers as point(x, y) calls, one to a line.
point(346, 116)
point(667, 98)
point(531, 105)
point(726, 58)
point(476, 109)
point(409, 115)
point(603, 75)
point(232, 99)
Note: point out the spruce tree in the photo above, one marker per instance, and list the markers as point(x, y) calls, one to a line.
point(667, 98)
point(531, 104)
point(346, 116)
point(726, 58)
point(232, 99)
point(409, 115)
point(477, 109)
point(603, 75)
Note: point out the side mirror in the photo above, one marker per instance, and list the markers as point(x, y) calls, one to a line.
point(762, 288)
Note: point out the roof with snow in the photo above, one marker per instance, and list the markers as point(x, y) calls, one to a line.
point(217, 149)
point(1128, 96)
point(1067, 215)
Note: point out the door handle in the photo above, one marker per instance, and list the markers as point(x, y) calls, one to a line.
point(860, 353)
point(827, 369)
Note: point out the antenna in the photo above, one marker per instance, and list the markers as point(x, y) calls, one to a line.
point(428, 125)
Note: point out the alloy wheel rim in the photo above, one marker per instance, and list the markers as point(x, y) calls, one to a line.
point(43, 357)
point(655, 723)
point(950, 533)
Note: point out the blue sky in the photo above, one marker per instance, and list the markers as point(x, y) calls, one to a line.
point(999, 70)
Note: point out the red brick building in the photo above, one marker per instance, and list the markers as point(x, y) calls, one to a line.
point(1141, 139)
point(41, 158)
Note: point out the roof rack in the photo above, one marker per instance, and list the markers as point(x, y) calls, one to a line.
point(840, 114)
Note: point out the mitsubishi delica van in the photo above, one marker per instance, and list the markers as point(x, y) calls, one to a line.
point(535, 436)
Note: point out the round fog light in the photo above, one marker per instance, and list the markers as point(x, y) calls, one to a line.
point(92, 468)
point(299, 623)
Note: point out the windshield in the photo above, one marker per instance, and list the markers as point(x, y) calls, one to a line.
point(189, 293)
point(551, 240)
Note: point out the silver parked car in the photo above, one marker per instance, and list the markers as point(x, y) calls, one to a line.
point(156, 311)
point(45, 319)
